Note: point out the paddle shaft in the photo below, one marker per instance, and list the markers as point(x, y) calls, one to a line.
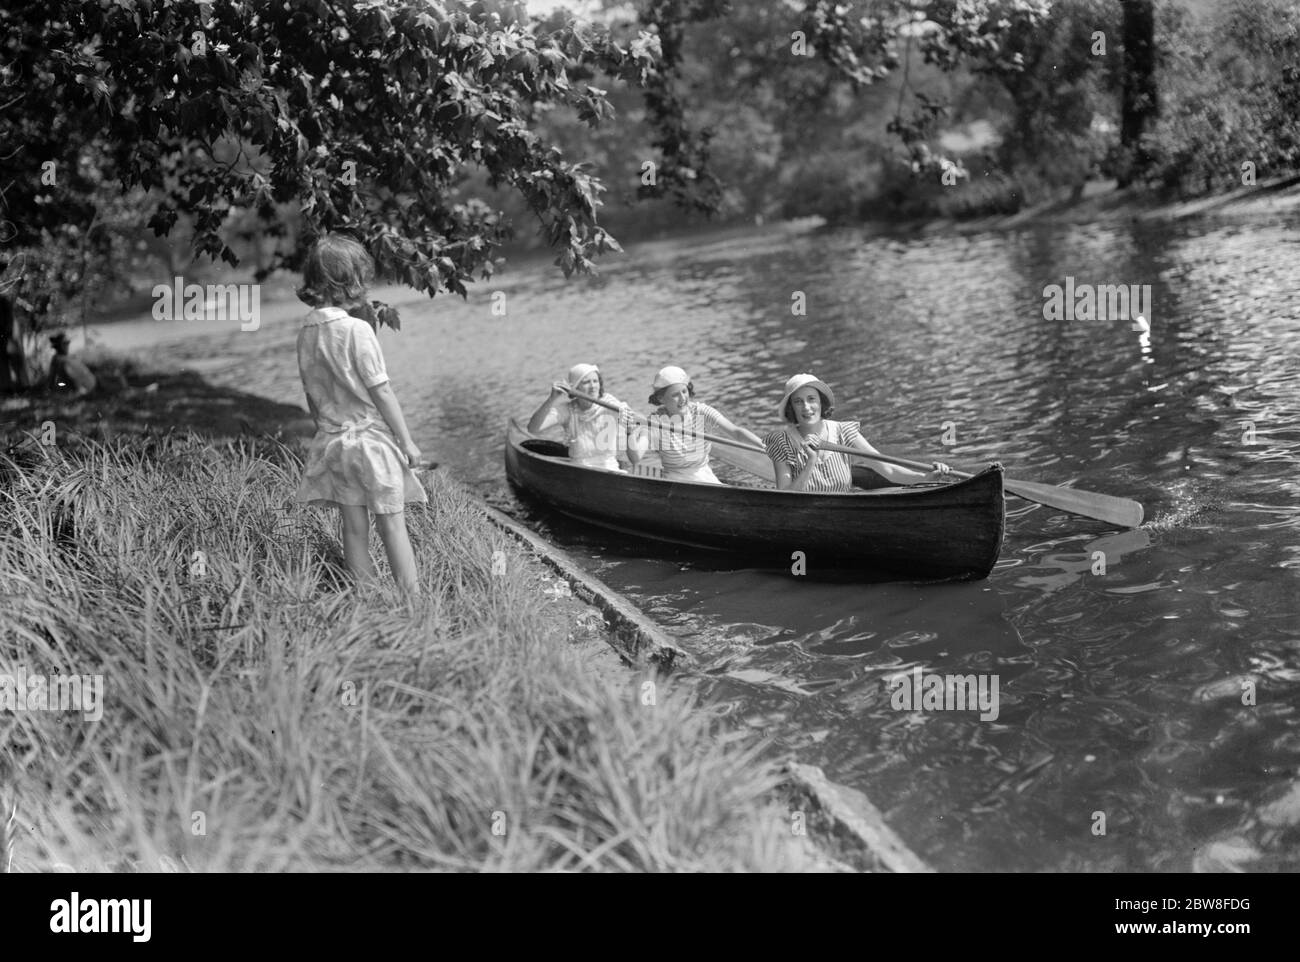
point(1103, 507)
point(901, 462)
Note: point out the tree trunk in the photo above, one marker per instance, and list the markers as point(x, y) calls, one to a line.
point(13, 351)
point(1138, 102)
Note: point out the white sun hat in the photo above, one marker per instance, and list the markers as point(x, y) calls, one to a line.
point(579, 371)
point(800, 381)
point(669, 376)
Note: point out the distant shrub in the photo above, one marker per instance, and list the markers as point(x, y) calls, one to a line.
point(1230, 94)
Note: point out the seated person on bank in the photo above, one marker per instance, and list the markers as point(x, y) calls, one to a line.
point(66, 372)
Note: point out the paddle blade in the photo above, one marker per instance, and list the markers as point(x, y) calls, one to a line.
point(1104, 507)
point(747, 459)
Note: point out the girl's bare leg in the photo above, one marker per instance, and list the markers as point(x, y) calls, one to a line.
point(356, 543)
point(401, 557)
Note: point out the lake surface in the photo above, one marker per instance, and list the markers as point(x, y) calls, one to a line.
point(1119, 693)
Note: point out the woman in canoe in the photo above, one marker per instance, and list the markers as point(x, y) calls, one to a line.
point(806, 406)
point(593, 433)
point(674, 427)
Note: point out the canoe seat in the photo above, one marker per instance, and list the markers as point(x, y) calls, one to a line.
point(549, 449)
point(867, 480)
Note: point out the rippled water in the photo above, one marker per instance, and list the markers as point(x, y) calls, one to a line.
point(1121, 692)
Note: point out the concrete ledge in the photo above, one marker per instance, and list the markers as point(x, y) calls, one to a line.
point(634, 636)
point(854, 828)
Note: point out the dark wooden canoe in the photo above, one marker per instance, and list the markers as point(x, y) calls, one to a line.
point(928, 531)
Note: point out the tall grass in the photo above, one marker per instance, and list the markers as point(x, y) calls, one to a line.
point(262, 715)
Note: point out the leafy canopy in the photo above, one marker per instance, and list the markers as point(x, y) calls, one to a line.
point(366, 115)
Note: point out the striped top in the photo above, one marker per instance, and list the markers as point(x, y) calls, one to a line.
point(834, 473)
point(677, 439)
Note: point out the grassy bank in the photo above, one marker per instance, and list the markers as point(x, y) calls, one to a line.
point(260, 715)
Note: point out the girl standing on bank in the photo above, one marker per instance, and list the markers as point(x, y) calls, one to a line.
point(362, 455)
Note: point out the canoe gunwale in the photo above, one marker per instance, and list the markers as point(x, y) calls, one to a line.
point(856, 493)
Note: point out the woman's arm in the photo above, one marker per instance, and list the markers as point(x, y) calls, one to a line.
point(638, 442)
point(786, 479)
point(800, 483)
point(632, 431)
point(385, 399)
point(781, 470)
point(779, 447)
point(895, 473)
point(548, 412)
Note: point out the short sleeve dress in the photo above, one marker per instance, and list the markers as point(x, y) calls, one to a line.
point(834, 474)
point(353, 459)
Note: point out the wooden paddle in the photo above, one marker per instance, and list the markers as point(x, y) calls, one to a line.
point(1103, 507)
point(1089, 504)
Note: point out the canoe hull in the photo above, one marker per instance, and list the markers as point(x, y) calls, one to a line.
point(945, 531)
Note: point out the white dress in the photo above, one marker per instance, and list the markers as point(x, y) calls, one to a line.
point(594, 435)
point(353, 459)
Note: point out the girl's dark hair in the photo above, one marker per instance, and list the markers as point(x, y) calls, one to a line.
point(658, 397)
point(337, 271)
point(827, 408)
